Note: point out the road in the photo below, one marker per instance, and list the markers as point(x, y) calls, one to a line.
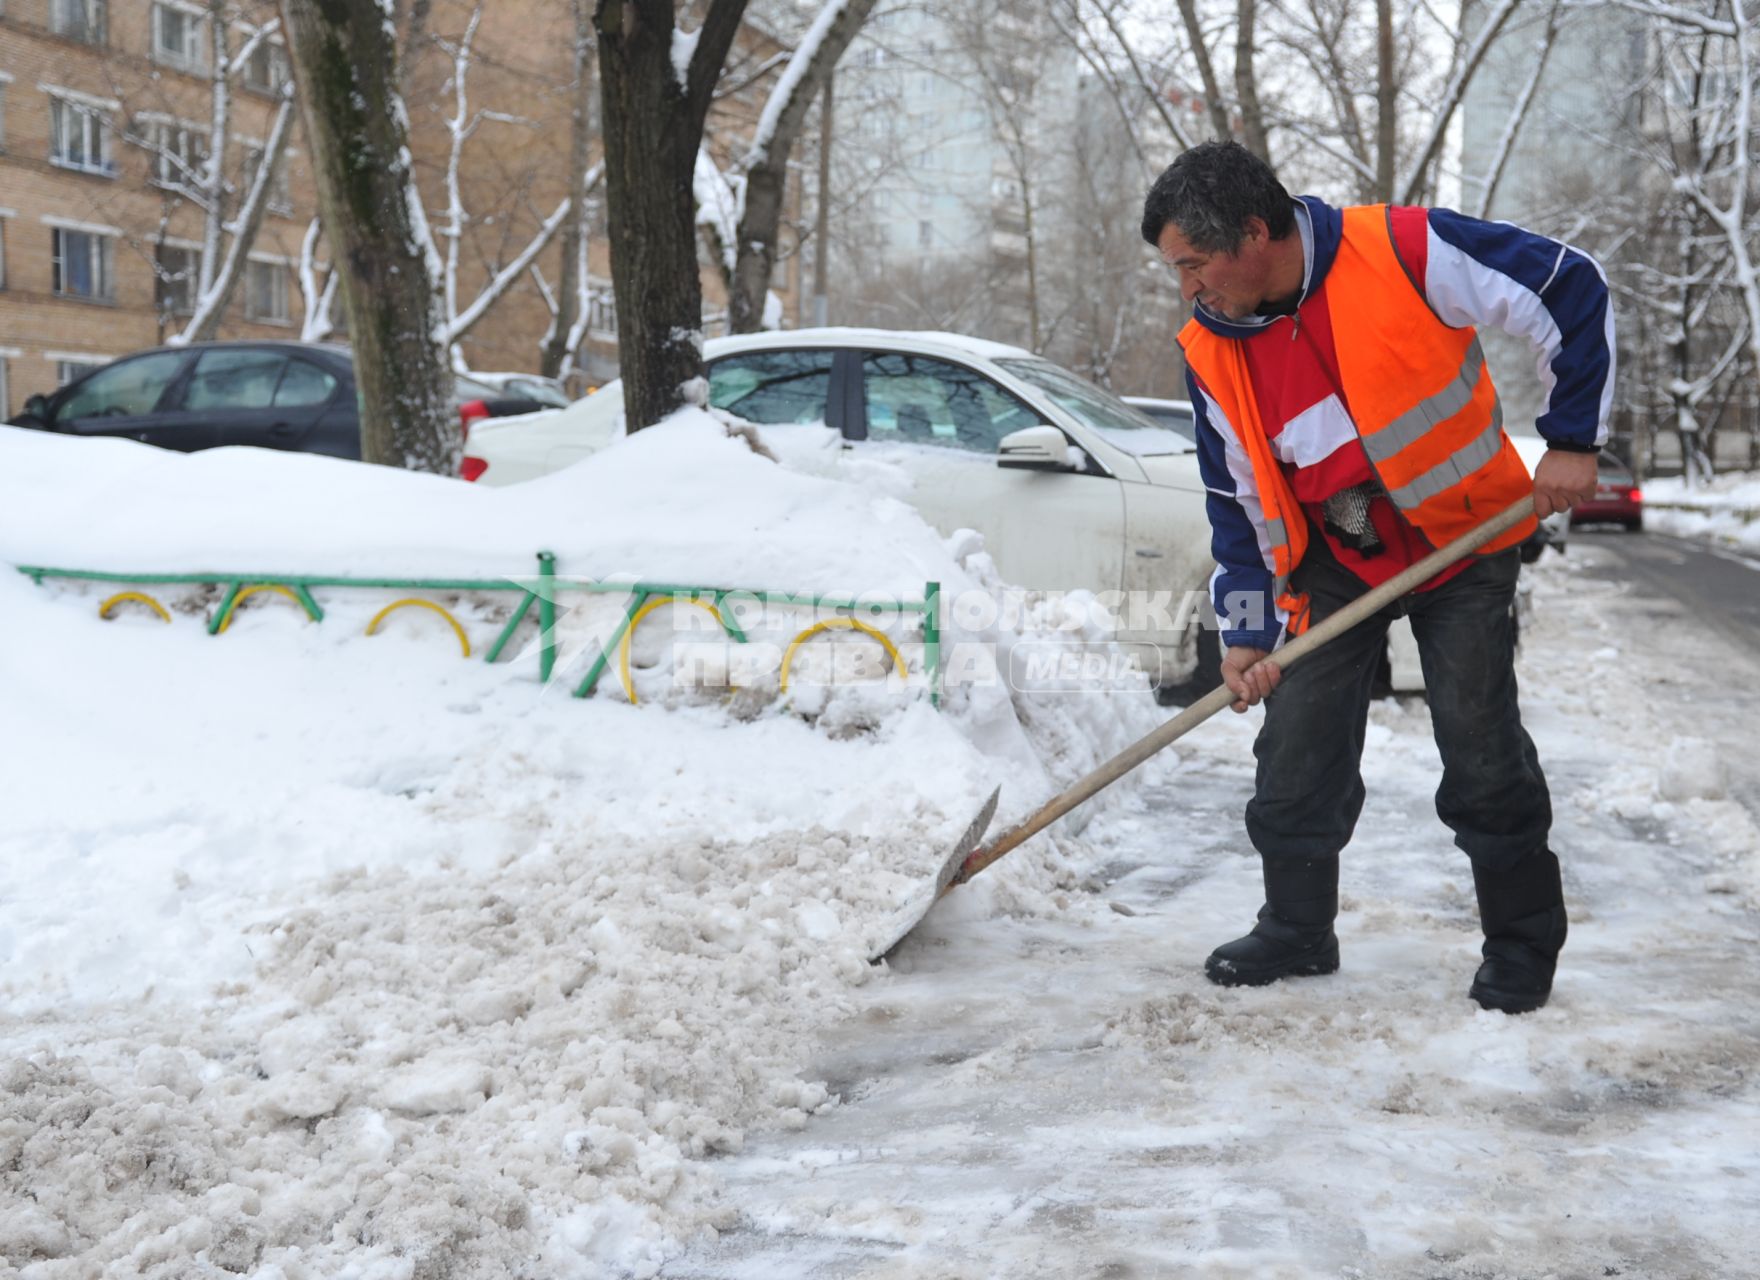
point(1714, 587)
point(1067, 1097)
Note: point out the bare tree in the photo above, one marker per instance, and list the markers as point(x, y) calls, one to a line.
point(345, 60)
point(656, 83)
point(561, 340)
point(1702, 101)
point(1518, 111)
point(764, 166)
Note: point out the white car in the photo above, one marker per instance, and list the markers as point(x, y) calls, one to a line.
point(1070, 487)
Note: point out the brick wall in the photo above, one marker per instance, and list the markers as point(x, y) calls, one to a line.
point(513, 174)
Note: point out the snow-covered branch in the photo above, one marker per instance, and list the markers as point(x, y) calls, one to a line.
point(1492, 26)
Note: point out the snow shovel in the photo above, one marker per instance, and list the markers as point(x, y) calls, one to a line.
point(967, 860)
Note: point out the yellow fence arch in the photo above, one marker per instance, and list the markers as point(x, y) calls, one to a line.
point(629, 688)
point(844, 624)
point(253, 589)
point(464, 642)
point(139, 597)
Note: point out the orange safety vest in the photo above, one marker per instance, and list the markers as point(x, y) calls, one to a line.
point(1419, 395)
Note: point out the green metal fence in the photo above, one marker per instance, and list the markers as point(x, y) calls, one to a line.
point(544, 589)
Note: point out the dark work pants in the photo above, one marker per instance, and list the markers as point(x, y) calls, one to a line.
point(1310, 783)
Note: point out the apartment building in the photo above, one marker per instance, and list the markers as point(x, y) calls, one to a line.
point(106, 110)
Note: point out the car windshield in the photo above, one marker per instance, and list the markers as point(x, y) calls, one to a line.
point(1109, 417)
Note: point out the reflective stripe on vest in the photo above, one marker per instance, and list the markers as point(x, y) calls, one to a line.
point(1416, 421)
point(1455, 468)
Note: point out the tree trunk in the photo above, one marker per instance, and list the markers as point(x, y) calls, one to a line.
point(568, 288)
point(653, 125)
point(1386, 103)
point(767, 167)
point(822, 215)
point(346, 67)
point(1188, 11)
point(1246, 83)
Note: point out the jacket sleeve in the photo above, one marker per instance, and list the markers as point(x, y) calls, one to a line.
point(1243, 588)
point(1554, 296)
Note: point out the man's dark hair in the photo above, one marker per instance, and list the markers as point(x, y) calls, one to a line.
point(1210, 192)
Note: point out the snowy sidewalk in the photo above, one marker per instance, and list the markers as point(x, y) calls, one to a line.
point(1070, 1098)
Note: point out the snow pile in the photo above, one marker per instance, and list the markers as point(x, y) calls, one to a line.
point(365, 961)
point(680, 503)
point(1727, 510)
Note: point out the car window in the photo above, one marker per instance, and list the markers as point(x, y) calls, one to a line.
point(1612, 469)
point(1170, 416)
point(1114, 420)
point(927, 401)
point(538, 391)
point(126, 388)
point(234, 379)
point(303, 384)
point(773, 387)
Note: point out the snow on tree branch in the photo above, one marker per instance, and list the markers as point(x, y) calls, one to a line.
point(783, 94)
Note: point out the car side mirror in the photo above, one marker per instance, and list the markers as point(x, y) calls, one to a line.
point(1034, 449)
point(37, 407)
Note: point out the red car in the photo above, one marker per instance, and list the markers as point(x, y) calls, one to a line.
point(1617, 500)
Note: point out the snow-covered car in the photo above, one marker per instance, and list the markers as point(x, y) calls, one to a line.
point(1070, 487)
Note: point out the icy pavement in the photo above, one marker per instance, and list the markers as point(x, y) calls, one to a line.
point(1067, 1096)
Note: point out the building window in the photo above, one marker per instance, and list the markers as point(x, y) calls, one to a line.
point(179, 152)
point(67, 371)
point(925, 235)
point(79, 19)
point(177, 36)
point(81, 264)
point(265, 292)
point(5, 394)
point(179, 272)
point(79, 137)
point(4, 81)
point(266, 69)
point(3, 248)
point(280, 194)
point(602, 313)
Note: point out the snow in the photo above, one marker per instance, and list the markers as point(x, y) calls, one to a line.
point(649, 509)
point(323, 956)
point(382, 959)
point(684, 48)
point(720, 205)
point(1726, 511)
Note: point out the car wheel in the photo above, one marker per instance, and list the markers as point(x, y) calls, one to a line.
point(1206, 675)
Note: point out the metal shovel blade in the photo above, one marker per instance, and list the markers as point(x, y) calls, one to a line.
point(909, 916)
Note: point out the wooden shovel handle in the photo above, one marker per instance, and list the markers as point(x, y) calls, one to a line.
point(1370, 602)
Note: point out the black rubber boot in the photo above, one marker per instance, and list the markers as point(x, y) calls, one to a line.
point(1293, 937)
point(1522, 912)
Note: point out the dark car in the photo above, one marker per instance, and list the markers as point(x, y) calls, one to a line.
point(274, 395)
point(1617, 500)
